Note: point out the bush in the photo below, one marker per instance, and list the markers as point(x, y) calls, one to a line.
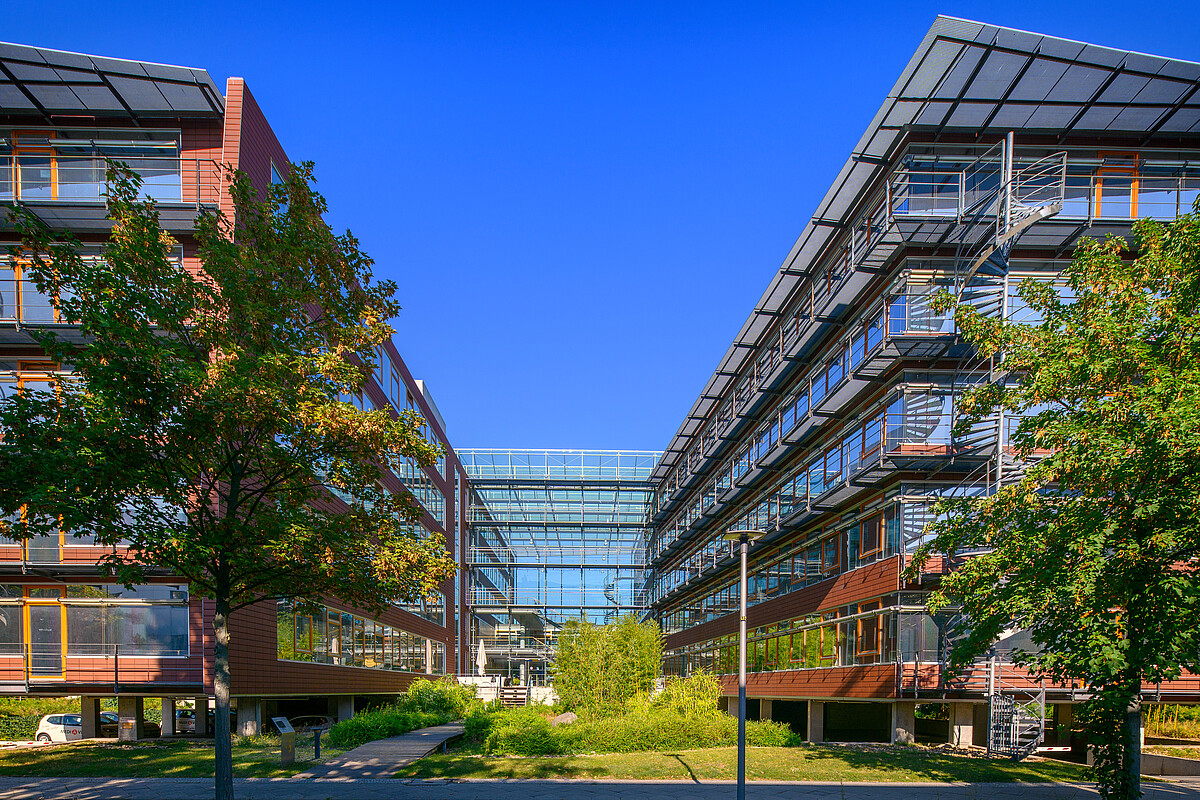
point(382, 724)
point(693, 696)
point(426, 703)
point(600, 668)
point(446, 696)
point(526, 732)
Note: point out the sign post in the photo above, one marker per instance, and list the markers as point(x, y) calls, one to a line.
point(287, 741)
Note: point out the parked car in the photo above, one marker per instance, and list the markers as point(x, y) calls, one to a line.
point(110, 723)
point(185, 720)
point(60, 728)
point(310, 721)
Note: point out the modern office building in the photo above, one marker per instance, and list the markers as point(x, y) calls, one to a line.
point(555, 535)
point(829, 423)
point(65, 629)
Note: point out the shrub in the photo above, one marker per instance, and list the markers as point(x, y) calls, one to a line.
point(477, 726)
point(693, 696)
point(445, 696)
point(599, 668)
point(426, 703)
point(382, 724)
point(526, 735)
point(526, 732)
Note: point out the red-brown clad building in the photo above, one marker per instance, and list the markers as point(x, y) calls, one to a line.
point(64, 628)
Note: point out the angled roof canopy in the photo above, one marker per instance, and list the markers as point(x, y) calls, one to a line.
point(977, 79)
point(47, 83)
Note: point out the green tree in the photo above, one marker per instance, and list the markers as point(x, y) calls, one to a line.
point(203, 425)
point(600, 668)
point(1094, 551)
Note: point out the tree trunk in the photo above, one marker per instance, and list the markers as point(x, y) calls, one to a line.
point(1133, 743)
point(222, 741)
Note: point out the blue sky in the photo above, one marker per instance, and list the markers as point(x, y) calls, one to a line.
point(580, 201)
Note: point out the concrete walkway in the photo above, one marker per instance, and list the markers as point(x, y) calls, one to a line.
point(385, 788)
point(382, 758)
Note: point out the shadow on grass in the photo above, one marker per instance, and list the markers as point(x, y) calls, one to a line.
point(503, 767)
point(685, 765)
point(149, 759)
point(937, 765)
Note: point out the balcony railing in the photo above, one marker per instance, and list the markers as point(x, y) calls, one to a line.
point(934, 194)
point(83, 179)
point(101, 664)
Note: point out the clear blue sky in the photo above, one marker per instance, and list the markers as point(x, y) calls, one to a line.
point(580, 201)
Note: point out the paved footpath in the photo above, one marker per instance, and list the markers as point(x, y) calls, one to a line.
point(381, 788)
point(383, 758)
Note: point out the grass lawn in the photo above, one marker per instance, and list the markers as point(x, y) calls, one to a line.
point(256, 757)
point(804, 763)
point(1170, 750)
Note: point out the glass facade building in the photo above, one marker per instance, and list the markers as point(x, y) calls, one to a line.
point(830, 423)
point(555, 535)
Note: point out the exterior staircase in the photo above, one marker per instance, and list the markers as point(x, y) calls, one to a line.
point(514, 696)
point(1015, 727)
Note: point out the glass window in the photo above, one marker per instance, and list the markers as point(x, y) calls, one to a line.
point(869, 539)
point(858, 345)
point(304, 634)
point(832, 555)
point(333, 633)
point(875, 332)
point(11, 640)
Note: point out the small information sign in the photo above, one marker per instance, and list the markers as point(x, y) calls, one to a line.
point(287, 741)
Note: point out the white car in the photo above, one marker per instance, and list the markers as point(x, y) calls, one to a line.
point(60, 728)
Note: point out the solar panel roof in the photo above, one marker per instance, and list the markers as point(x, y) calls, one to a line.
point(979, 79)
point(54, 82)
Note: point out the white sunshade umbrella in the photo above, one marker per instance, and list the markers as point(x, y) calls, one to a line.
point(480, 658)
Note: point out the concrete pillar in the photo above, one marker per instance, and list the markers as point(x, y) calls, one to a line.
point(131, 721)
point(345, 708)
point(764, 708)
point(1064, 721)
point(429, 657)
point(962, 724)
point(904, 723)
point(168, 716)
point(202, 716)
point(89, 709)
point(816, 721)
point(249, 716)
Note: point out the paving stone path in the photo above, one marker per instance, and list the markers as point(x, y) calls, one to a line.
point(382, 758)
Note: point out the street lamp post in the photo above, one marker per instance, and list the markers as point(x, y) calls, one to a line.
point(742, 537)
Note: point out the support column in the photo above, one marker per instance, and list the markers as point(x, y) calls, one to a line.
point(89, 710)
point(962, 724)
point(764, 708)
point(131, 721)
point(345, 708)
point(249, 716)
point(904, 723)
point(201, 716)
point(816, 721)
point(168, 716)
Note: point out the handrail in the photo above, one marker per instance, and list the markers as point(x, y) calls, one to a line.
point(83, 179)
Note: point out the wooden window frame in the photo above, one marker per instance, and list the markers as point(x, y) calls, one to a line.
point(1122, 172)
point(28, 603)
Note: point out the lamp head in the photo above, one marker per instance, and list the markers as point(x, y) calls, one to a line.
point(748, 535)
